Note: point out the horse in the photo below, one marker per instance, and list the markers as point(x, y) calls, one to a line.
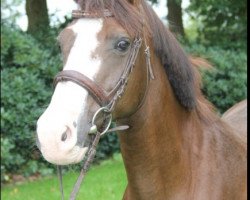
point(236, 117)
point(122, 64)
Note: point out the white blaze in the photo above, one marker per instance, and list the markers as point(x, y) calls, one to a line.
point(69, 98)
point(86, 42)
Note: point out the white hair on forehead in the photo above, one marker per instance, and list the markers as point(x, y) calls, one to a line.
point(80, 57)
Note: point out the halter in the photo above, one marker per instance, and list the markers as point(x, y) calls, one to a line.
point(107, 101)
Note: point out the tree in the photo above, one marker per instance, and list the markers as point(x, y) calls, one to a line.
point(38, 18)
point(222, 23)
point(175, 17)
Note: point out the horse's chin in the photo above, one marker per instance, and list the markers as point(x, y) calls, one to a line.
point(73, 157)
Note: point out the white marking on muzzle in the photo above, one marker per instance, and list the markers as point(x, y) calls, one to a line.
point(68, 100)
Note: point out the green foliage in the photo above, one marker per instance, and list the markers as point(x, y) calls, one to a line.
point(220, 22)
point(6, 157)
point(226, 84)
point(28, 68)
point(26, 75)
point(108, 146)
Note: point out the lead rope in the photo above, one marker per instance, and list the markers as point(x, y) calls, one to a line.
point(92, 151)
point(87, 163)
point(59, 172)
point(90, 157)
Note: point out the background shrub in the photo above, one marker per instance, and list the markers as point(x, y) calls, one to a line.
point(226, 84)
point(220, 23)
point(27, 71)
point(26, 76)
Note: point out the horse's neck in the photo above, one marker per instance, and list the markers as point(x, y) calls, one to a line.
point(170, 153)
point(152, 149)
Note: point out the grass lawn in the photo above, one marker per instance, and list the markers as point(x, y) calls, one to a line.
point(106, 181)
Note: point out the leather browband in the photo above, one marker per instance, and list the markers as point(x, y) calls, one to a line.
point(84, 14)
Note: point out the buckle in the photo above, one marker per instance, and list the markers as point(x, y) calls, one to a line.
point(108, 116)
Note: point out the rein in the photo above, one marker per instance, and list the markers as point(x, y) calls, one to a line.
point(107, 101)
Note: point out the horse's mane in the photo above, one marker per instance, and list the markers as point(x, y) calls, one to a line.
point(181, 72)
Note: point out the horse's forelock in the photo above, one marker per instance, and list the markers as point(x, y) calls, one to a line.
point(132, 22)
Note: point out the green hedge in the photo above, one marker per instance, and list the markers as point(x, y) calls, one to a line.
point(226, 83)
point(26, 74)
point(27, 71)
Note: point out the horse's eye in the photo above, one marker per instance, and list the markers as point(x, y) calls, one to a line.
point(122, 45)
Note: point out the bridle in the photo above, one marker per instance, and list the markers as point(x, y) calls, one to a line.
point(106, 101)
point(99, 94)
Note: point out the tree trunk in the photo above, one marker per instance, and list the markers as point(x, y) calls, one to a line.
point(38, 18)
point(175, 17)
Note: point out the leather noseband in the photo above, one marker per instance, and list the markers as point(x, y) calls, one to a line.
point(95, 90)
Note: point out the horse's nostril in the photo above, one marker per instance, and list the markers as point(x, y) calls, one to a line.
point(64, 136)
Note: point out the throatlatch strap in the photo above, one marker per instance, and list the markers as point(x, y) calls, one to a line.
point(59, 172)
